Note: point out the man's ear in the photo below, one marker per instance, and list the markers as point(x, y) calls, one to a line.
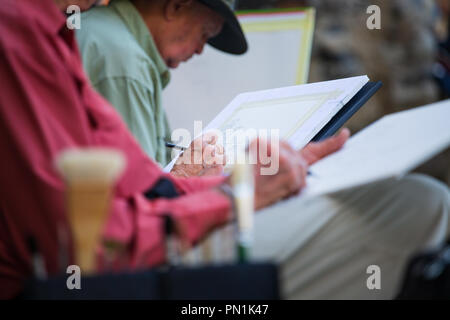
point(174, 8)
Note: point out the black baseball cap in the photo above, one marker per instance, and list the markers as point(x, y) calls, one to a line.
point(231, 39)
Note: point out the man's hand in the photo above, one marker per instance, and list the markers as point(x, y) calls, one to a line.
point(289, 179)
point(293, 167)
point(204, 157)
point(315, 151)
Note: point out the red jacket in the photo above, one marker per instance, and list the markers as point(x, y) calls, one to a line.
point(47, 105)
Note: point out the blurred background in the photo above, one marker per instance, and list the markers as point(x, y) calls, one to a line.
point(410, 54)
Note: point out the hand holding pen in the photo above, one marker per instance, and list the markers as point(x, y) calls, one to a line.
point(204, 157)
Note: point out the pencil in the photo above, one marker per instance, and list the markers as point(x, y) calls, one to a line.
point(174, 146)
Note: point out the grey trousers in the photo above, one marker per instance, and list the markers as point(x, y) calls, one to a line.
point(325, 245)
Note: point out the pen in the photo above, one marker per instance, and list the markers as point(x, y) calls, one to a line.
point(174, 146)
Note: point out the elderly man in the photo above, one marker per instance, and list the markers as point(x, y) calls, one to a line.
point(128, 47)
point(47, 105)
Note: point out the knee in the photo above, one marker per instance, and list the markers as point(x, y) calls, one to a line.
point(429, 199)
point(430, 194)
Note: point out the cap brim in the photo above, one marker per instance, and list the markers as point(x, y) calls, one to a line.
point(231, 39)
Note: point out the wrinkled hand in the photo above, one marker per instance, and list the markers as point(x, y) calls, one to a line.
point(204, 157)
point(315, 151)
point(288, 180)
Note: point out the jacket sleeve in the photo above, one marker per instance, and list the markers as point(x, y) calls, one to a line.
point(138, 223)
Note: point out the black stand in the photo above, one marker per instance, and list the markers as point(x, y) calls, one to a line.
point(255, 281)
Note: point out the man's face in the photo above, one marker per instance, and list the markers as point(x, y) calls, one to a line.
point(188, 34)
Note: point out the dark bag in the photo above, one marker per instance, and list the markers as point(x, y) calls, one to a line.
point(428, 276)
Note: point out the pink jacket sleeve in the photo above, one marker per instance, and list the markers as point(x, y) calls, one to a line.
point(137, 223)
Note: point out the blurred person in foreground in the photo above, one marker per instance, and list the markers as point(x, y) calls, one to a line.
point(48, 105)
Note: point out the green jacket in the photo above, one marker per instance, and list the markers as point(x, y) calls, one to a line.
point(124, 65)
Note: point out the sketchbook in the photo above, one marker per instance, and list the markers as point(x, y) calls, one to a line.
point(296, 114)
